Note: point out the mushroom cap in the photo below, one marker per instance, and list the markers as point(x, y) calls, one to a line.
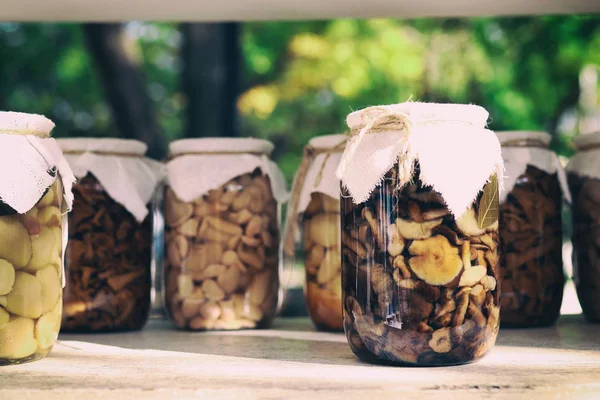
point(435, 260)
point(416, 230)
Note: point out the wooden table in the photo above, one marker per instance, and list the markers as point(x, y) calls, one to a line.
point(292, 361)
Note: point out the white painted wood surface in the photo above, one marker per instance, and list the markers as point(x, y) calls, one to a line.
point(294, 362)
point(253, 10)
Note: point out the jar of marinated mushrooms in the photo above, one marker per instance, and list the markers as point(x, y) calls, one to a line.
point(583, 173)
point(419, 220)
point(531, 231)
point(36, 195)
point(315, 209)
point(222, 233)
point(108, 258)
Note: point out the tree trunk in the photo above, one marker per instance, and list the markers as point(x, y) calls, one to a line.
point(212, 60)
point(125, 87)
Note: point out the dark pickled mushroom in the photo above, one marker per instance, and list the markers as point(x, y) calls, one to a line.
point(107, 262)
point(531, 256)
point(585, 193)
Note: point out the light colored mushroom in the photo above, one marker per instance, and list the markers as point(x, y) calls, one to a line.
point(467, 224)
point(15, 246)
point(440, 341)
point(416, 230)
point(7, 277)
point(472, 275)
point(435, 260)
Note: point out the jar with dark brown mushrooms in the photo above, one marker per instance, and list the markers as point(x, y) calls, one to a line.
point(583, 173)
point(531, 231)
point(312, 232)
point(222, 234)
point(419, 232)
point(109, 255)
point(35, 192)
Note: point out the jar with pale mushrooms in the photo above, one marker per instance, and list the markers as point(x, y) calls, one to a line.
point(420, 265)
point(312, 231)
point(222, 234)
point(32, 224)
point(109, 254)
point(583, 173)
point(531, 231)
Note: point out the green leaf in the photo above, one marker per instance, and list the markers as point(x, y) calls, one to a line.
point(489, 204)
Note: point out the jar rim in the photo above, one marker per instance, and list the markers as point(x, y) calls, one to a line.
point(423, 113)
point(103, 146)
point(523, 138)
point(208, 146)
point(17, 123)
point(588, 140)
point(328, 141)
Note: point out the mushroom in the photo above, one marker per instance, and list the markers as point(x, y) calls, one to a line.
point(395, 242)
point(435, 260)
point(15, 246)
point(17, 339)
point(489, 283)
point(177, 211)
point(466, 254)
point(416, 230)
point(400, 264)
point(7, 277)
point(440, 341)
point(26, 297)
point(50, 283)
point(467, 224)
point(472, 276)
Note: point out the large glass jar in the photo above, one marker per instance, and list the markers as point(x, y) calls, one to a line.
point(315, 209)
point(31, 242)
point(584, 183)
point(419, 267)
point(222, 234)
point(531, 231)
point(109, 254)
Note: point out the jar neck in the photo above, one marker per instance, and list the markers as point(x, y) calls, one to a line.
point(526, 143)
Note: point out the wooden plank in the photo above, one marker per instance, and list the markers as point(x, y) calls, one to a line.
point(255, 10)
point(292, 361)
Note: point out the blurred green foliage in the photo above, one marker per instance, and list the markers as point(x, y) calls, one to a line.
point(302, 78)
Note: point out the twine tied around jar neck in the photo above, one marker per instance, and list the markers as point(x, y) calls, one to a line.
point(310, 153)
point(25, 132)
point(378, 120)
point(532, 143)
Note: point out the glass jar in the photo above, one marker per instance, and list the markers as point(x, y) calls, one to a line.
point(584, 184)
point(31, 242)
point(531, 231)
point(222, 234)
point(315, 209)
point(109, 254)
point(419, 284)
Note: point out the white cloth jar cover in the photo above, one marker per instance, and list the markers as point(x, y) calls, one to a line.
point(316, 174)
point(517, 155)
point(456, 153)
point(200, 165)
point(320, 176)
point(31, 162)
point(586, 162)
point(121, 168)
